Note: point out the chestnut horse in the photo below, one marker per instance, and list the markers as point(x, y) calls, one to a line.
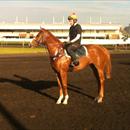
point(97, 55)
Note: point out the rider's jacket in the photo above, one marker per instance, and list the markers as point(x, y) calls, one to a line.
point(74, 31)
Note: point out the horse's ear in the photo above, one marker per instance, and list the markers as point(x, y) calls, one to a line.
point(41, 28)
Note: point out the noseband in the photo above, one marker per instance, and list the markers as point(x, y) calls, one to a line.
point(38, 42)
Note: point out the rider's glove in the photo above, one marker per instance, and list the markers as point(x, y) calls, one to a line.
point(66, 44)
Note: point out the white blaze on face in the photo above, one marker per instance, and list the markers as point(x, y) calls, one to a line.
point(33, 43)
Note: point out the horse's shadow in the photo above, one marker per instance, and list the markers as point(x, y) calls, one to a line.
point(40, 85)
point(36, 86)
point(78, 90)
point(125, 63)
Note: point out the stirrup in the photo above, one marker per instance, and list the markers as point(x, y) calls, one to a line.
point(74, 63)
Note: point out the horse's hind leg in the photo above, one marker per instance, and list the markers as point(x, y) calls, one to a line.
point(99, 99)
point(108, 68)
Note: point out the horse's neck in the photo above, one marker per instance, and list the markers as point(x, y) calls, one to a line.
point(53, 44)
point(53, 47)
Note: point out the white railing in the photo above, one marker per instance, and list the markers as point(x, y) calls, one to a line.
point(84, 41)
point(15, 40)
point(105, 41)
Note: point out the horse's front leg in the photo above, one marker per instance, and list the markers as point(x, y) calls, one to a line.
point(60, 89)
point(100, 97)
point(63, 75)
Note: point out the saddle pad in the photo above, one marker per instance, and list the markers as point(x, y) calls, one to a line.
point(81, 51)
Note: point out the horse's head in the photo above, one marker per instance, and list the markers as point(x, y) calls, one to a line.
point(39, 39)
point(45, 37)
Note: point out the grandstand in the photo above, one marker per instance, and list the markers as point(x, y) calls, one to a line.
point(92, 33)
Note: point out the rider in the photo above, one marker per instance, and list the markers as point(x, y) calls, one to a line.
point(74, 38)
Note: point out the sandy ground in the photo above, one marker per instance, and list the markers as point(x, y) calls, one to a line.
point(28, 92)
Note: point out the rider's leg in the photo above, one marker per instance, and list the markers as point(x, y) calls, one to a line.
point(70, 49)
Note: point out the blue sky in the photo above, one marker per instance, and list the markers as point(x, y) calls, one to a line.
point(44, 11)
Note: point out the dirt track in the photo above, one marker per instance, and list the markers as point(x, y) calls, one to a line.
point(28, 92)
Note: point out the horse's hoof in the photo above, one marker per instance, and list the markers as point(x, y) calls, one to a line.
point(99, 99)
point(65, 103)
point(58, 102)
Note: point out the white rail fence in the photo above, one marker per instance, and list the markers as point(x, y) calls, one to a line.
point(16, 41)
point(105, 41)
point(23, 41)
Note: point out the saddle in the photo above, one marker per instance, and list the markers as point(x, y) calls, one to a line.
point(81, 51)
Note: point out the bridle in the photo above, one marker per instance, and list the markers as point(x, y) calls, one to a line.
point(58, 52)
point(38, 42)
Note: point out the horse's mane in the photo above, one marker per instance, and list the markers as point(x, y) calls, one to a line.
point(52, 36)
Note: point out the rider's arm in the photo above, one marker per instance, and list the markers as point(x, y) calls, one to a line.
point(76, 38)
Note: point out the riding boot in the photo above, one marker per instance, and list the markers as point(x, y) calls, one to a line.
point(76, 62)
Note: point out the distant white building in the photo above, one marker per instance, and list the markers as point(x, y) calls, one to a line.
point(90, 31)
point(61, 31)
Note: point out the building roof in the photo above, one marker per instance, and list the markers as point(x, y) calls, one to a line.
point(36, 26)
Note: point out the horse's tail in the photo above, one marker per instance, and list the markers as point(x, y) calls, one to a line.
point(108, 66)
